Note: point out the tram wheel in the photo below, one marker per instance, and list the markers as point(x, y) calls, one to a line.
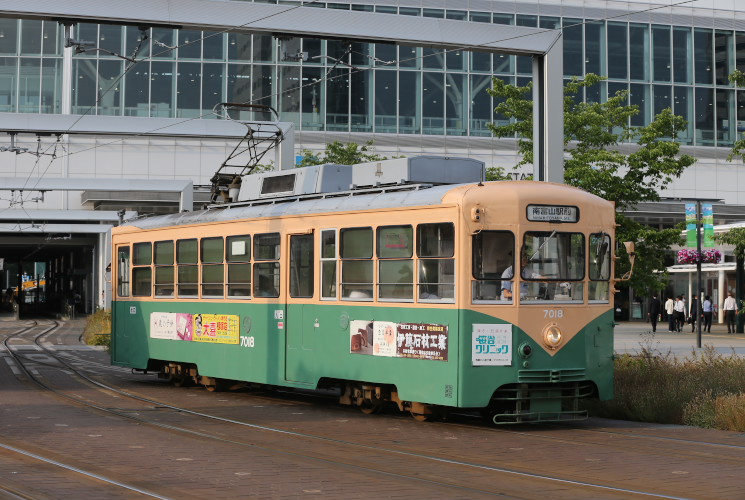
point(217, 385)
point(369, 407)
point(421, 417)
point(181, 380)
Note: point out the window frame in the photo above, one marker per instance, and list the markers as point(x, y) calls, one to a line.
point(232, 264)
point(324, 260)
point(162, 266)
point(123, 270)
point(362, 288)
point(407, 260)
point(296, 267)
point(210, 267)
point(187, 265)
point(261, 262)
point(492, 279)
point(142, 268)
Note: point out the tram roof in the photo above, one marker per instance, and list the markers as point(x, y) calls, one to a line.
point(510, 193)
point(350, 201)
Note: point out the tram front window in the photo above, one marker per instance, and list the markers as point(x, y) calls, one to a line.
point(553, 267)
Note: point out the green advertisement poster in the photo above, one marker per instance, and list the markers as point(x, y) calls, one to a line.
point(691, 225)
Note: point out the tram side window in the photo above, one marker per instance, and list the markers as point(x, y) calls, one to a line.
point(493, 261)
point(356, 263)
point(600, 259)
point(238, 255)
point(123, 272)
point(328, 264)
point(395, 264)
point(164, 269)
point(188, 268)
point(213, 268)
point(301, 265)
point(142, 273)
point(266, 272)
point(435, 247)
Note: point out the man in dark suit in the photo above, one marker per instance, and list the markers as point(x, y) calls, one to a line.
point(654, 311)
point(693, 313)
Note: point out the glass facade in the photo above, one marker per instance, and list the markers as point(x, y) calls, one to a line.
point(325, 85)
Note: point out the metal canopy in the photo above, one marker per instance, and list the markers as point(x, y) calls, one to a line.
point(287, 20)
point(290, 20)
point(184, 187)
point(31, 123)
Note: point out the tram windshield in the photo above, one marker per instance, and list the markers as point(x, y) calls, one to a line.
point(552, 266)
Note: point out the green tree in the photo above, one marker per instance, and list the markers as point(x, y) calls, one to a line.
point(597, 158)
point(343, 154)
point(736, 238)
point(738, 149)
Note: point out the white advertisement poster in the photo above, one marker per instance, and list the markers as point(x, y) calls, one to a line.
point(491, 345)
point(163, 326)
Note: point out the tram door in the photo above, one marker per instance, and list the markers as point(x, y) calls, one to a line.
point(300, 324)
point(121, 314)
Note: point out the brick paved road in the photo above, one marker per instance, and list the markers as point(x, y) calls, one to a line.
point(393, 456)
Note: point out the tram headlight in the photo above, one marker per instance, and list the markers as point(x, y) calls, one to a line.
point(552, 336)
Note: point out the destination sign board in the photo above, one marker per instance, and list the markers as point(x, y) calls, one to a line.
point(553, 213)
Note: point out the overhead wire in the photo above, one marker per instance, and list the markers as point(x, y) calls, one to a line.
point(327, 77)
point(133, 61)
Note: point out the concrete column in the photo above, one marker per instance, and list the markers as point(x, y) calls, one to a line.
point(721, 294)
point(67, 72)
point(66, 90)
point(690, 289)
point(548, 115)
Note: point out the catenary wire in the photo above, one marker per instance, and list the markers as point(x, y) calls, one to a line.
point(353, 70)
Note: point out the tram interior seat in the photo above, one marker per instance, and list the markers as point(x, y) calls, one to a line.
point(359, 294)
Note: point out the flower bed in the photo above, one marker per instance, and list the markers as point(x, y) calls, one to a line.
point(710, 256)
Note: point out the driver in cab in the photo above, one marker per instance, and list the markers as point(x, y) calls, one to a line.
point(525, 273)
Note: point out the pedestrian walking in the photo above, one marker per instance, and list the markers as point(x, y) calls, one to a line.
point(670, 310)
point(693, 313)
point(730, 310)
point(680, 313)
point(707, 311)
point(654, 311)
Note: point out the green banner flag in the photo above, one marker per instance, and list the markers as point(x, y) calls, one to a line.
point(708, 221)
point(691, 225)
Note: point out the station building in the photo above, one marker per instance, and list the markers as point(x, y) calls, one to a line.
point(111, 120)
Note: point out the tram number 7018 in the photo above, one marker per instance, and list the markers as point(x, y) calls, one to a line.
point(247, 341)
point(553, 313)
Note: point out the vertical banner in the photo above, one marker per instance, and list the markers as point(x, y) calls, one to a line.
point(691, 225)
point(708, 222)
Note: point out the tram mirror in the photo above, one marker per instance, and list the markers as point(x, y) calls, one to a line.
point(631, 251)
point(108, 273)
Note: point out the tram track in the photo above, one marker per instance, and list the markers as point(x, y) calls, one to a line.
point(113, 488)
point(331, 458)
point(543, 432)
